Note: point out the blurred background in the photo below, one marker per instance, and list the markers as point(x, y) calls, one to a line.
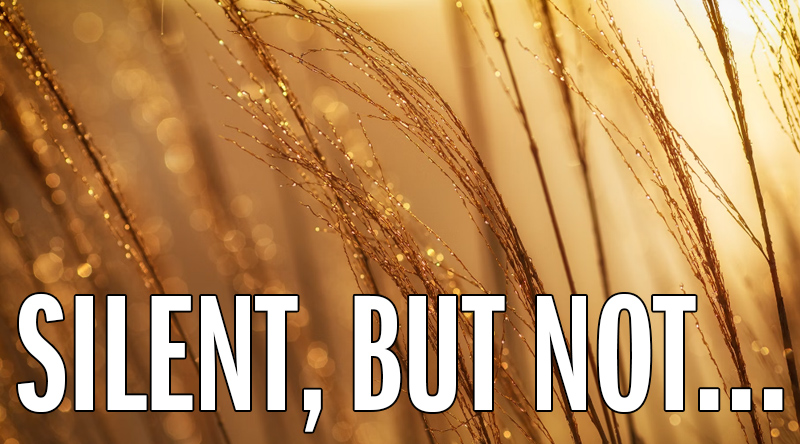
point(147, 82)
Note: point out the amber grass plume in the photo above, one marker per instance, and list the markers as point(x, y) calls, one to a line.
point(326, 107)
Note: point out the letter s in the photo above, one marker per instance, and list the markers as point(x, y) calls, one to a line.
point(43, 351)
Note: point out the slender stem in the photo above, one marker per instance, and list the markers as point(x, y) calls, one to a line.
point(721, 34)
point(19, 35)
point(580, 148)
point(534, 149)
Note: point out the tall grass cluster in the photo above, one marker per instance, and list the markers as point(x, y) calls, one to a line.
point(325, 149)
